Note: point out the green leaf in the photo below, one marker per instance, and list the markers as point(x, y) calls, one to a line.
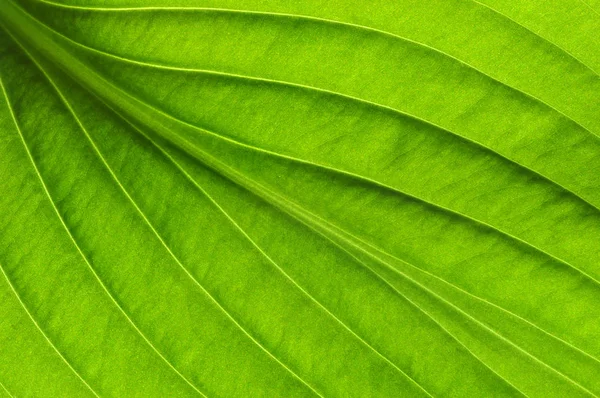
point(344, 198)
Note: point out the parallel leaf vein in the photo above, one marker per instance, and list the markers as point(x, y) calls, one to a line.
point(380, 184)
point(319, 20)
point(6, 390)
point(310, 219)
point(284, 156)
point(307, 162)
point(84, 257)
point(337, 94)
point(279, 269)
point(14, 290)
point(537, 34)
point(164, 244)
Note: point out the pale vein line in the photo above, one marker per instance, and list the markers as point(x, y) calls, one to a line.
point(402, 296)
point(4, 272)
point(97, 277)
point(590, 7)
point(279, 269)
point(486, 326)
point(479, 145)
point(276, 154)
point(396, 190)
point(381, 185)
point(425, 271)
point(476, 143)
point(341, 248)
point(335, 93)
point(446, 209)
point(534, 33)
point(409, 278)
point(263, 191)
point(285, 204)
point(309, 18)
point(227, 139)
point(164, 244)
point(312, 298)
point(483, 147)
point(324, 223)
point(2, 385)
point(458, 288)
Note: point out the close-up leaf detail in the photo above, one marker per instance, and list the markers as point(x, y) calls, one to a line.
point(290, 198)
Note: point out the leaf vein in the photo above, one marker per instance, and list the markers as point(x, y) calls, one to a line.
point(5, 389)
point(29, 314)
point(315, 19)
point(300, 213)
point(164, 244)
point(279, 269)
point(84, 257)
point(334, 93)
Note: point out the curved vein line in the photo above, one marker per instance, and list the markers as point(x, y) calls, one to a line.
point(490, 329)
point(427, 290)
point(325, 223)
point(302, 17)
point(395, 270)
point(2, 385)
point(536, 34)
point(241, 144)
point(276, 200)
point(311, 88)
point(93, 271)
point(12, 287)
point(404, 297)
point(383, 185)
point(427, 202)
point(460, 137)
point(453, 286)
point(403, 193)
point(285, 204)
point(334, 93)
point(590, 7)
point(268, 195)
point(458, 288)
point(279, 269)
point(159, 237)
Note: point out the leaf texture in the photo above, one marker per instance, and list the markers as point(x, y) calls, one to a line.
point(243, 198)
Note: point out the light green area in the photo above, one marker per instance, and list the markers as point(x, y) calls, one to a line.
point(344, 198)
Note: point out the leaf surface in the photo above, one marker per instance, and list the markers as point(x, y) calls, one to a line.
point(250, 199)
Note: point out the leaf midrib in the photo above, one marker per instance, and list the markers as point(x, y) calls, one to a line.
point(329, 227)
point(309, 219)
point(370, 103)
